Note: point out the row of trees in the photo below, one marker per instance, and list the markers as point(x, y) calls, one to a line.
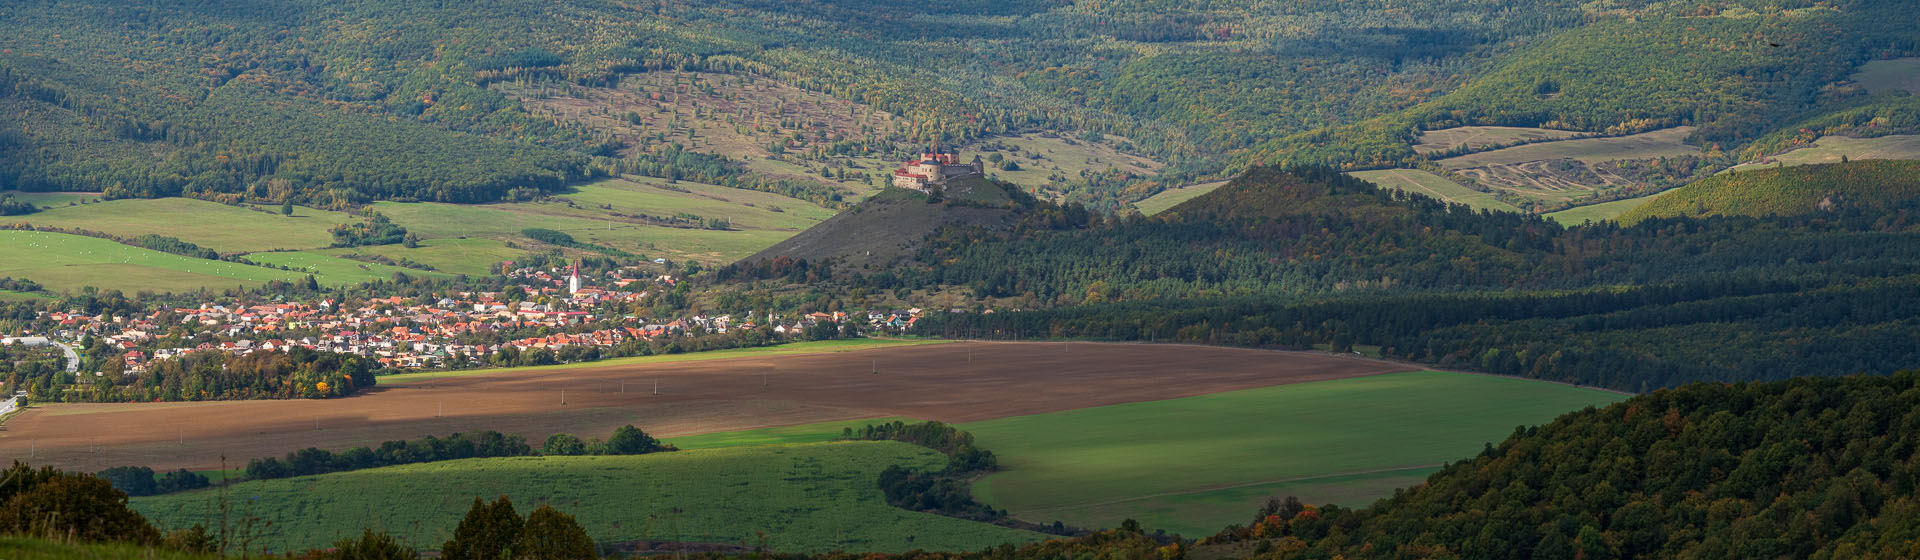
point(627, 440)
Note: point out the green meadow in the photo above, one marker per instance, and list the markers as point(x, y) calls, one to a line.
point(1173, 197)
point(1601, 212)
point(790, 498)
point(228, 229)
point(334, 271)
point(1196, 464)
point(452, 255)
point(68, 262)
point(1422, 182)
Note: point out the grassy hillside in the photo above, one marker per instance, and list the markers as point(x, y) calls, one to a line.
point(68, 262)
point(801, 497)
point(1196, 464)
point(1601, 212)
point(1807, 189)
point(220, 227)
point(895, 222)
point(1808, 468)
point(1429, 184)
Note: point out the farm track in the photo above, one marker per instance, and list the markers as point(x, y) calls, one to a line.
point(959, 382)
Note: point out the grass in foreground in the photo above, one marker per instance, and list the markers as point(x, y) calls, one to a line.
point(67, 262)
point(1195, 464)
point(810, 347)
point(805, 497)
point(22, 548)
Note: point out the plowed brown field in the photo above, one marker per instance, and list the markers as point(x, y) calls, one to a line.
point(950, 382)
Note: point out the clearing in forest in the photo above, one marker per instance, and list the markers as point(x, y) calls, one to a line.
point(1556, 174)
point(1879, 76)
point(1831, 149)
point(1482, 137)
point(1426, 183)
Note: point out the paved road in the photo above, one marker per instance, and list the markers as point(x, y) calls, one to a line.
point(73, 358)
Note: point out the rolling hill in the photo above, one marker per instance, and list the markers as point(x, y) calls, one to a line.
point(1791, 191)
point(894, 223)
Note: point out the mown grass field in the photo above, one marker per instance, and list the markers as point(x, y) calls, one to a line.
point(793, 498)
point(68, 262)
point(223, 228)
point(809, 347)
point(758, 219)
point(1196, 464)
point(472, 257)
point(336, 271)
point(1900, 74)
point(1830, 149)
point(1477, 137)
point(1173, 197)
point(1601, 212)
point(1422, 182)
point(1658, 143)
point(49, 199)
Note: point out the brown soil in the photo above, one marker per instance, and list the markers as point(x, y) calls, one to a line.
point(950, 382)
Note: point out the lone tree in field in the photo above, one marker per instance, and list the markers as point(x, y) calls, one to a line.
point(629, 440)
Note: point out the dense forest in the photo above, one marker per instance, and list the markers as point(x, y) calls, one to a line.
point(1310, 257)
point(338, 103)
point(1808, 468)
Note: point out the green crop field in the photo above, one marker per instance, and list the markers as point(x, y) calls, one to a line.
point(809, 347)
point(1417, 181)
point(68, 262)
point(1478, 137)
point(1601, 212)
point(793, 498)
point(1195, 464)
point(803, 433)
point(1830, 149)
point(1900, 74)
point(472, 257)
point(1658, 143)
point(1173, 197)
point(223, 228)
point(335, 271)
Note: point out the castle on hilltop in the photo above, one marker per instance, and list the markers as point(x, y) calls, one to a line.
point(935, 167)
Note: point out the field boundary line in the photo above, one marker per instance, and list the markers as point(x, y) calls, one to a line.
point(1229, 487)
